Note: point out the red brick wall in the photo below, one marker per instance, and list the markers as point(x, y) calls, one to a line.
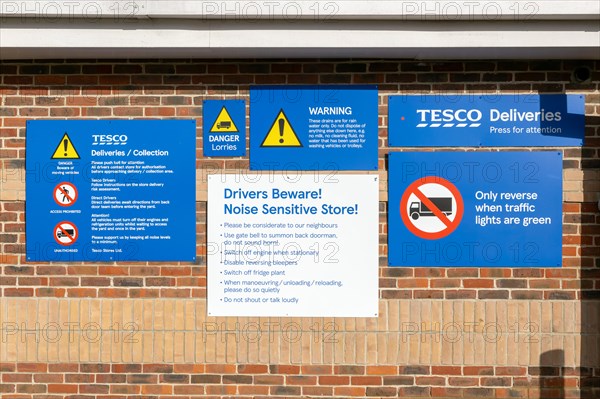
point(175, 89)
point(261, 381)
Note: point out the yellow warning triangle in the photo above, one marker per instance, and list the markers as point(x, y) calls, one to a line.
point(223, 123)
point(281, 133)
point(65, 149)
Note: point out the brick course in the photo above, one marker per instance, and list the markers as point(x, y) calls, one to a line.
point(540, 310)
point(92, 381)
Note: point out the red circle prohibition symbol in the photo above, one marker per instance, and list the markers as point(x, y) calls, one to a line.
point(65, 194)
point(435, 209)
point(65, 233)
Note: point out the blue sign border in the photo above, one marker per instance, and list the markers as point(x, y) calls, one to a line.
point(479, 241)
point(266, 102)
point(494, 120)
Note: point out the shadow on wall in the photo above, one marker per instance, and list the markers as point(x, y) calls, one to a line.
point(589, 367)
point(552, 381)
point(590, 348)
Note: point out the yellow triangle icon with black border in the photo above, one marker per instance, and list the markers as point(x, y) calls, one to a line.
point(65, 149)
point(281, 133)
point(224, 123)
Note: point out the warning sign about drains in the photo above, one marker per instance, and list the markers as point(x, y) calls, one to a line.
point(313, 127)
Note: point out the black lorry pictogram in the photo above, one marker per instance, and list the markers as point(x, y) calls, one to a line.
point(418, 209)
point(66, 233)
point(224, 125)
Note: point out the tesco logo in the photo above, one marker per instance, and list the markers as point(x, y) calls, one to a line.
point(449, 117)
point(109, 139)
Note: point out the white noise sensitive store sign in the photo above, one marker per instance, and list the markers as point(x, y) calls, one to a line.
point(304, 246)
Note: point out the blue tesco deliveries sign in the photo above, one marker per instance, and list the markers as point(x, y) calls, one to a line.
point(313, 128)
point(475, 209)
point(117, 190)
point(496, 120)
point(224, 127)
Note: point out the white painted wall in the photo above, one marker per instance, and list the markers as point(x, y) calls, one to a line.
point(347, 28)
point(448, 10)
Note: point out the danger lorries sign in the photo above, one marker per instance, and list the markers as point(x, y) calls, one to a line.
point(479, 209)
point(224, 128)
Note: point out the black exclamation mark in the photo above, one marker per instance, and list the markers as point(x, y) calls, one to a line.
point(65, 143)
point(281, 125)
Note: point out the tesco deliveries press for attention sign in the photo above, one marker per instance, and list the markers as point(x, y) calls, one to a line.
point(447, 120)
